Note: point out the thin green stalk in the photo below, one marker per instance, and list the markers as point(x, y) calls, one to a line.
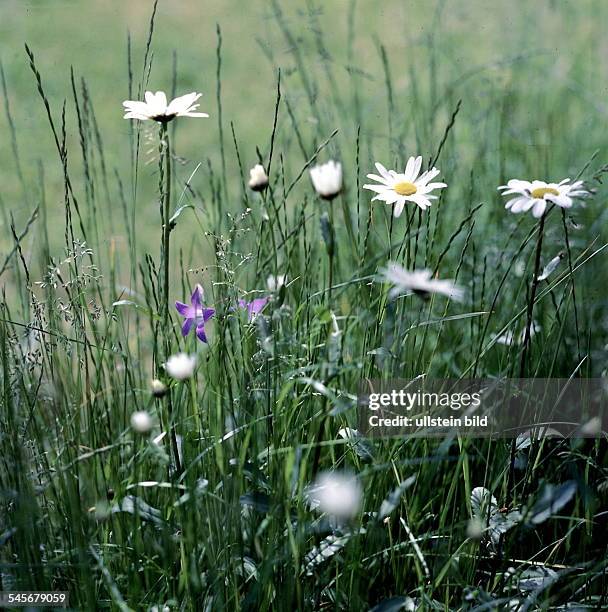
point(534, 286)
point(166, 232)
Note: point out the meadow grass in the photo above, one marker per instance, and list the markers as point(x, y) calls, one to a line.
point(105, 227)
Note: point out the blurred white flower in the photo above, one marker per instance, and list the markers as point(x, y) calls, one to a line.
point(418, 281)
point(475, 528)
point(535, 195)
point(398, 188)
point(509, 338)
point(156, 108)
point(336, 493)
point(550, 267)
point(141, 421)
point(258, 179)
point(347, 433)
point(274, 283)
point(592, 428)
point(181, 366)
point(159, 389)
point(327, 179)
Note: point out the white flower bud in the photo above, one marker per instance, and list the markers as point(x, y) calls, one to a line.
point(274, 283)
point(159, 389)
point(327, 179)
point(258, 179)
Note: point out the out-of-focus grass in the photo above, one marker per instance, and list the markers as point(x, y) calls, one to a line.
point(460, 49)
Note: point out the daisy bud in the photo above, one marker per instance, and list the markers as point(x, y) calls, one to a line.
point(258, 179)
point(141, 421)
point(274, 283)
point(159, 389)
point(180, 366)
point(327, 179)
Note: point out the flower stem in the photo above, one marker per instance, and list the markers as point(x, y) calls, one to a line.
point(524, 352)
point(166, 229)
point(331, 255)
point(165, 186)
point(530, 312)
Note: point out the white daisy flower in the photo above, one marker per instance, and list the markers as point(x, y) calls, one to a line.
point(141, 421)
point(419, 282)
point(327, 179)
point(181, 366)
point(535, 195)
point(397, 189)
point(155, 107)
point(336, 493)
point(258, 179)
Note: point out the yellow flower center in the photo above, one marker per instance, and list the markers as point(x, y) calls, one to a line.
point(540, 192)
point(405, 188)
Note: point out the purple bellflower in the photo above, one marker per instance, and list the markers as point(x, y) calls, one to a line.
point(196, 313)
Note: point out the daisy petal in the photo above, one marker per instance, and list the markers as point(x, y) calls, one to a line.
point(182, 103)
point(539, 209)
point(136, 116)
point(408, 173)
point(425, 177)
point(383, 171)
point(375, 177)
point(377, 188)
point(417, 166)
point(399, 207)
point(422, 201)
point(161, 99)
point(563, 200)
point(517, 204)
point(431, 186)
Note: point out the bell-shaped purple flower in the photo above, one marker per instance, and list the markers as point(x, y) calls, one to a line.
point(195, 314)
point(254, 307)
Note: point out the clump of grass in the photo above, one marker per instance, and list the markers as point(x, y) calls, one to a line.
point(198, 491)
